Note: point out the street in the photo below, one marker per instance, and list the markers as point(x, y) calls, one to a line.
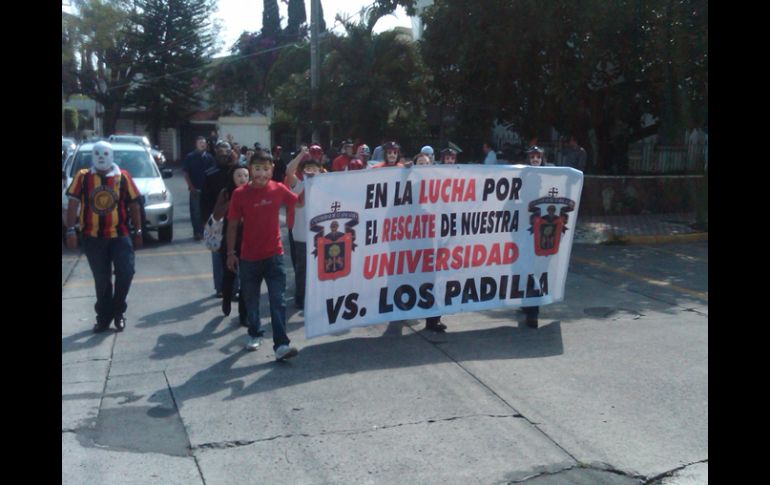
point(611, 389)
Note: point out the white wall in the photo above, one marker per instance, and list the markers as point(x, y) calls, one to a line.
point(245, 130)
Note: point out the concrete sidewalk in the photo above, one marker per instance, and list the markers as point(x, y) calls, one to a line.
point(638, 229)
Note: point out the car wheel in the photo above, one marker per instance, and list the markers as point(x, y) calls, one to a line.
point(165, 234)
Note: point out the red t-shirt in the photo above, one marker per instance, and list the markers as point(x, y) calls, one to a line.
point(340, 163)
point(259, 209)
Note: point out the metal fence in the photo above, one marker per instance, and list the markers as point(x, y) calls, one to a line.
point(650, 158)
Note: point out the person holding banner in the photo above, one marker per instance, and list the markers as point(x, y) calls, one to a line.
point(341, 163)
point(310, 162)
point(449, 156)
point(422, 159)
point(535, 158)
point(256, 206)
point(392, 155)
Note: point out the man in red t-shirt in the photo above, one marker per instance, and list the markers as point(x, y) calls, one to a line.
point(340, 164)
point(256, 205)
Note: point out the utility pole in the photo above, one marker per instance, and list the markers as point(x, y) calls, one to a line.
point(314, 70)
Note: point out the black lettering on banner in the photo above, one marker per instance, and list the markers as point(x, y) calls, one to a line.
point(488, 288)
point(384, 306)
point(371, 232)
point(453, 289)
point(448, 224)
point(407, 197)
point(333, 307)
point(427, 300)
point(469, 291)
point(411, 296)
point(376, 195)
point(515, 292)
point(502, 188)
point(532, 291)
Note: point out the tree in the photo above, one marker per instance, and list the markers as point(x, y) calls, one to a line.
point(296, 28)
point(105, 58)
point(271, 20)
point(592, 68)
point(174, 40)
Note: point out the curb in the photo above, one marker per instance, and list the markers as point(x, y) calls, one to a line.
point(699, 236)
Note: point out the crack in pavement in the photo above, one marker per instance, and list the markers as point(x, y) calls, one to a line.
point(672, 472)
point(603, 467)
point(239, 443)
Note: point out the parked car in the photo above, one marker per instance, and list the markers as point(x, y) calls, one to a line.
point(157, 154)
point(156, 200)
point(67, 148)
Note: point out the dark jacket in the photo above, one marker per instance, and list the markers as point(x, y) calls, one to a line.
point(214, 181)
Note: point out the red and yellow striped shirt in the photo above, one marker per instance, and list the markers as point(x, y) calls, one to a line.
point(103, 201)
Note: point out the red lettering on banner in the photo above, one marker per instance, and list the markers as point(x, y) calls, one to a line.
point(447, 190)
point(412, 261)
point(510, 253)
point(494, 255)
point(427, 261)
point(442, 259)
point(479, 255)
point(385, 230)
point(431, 260)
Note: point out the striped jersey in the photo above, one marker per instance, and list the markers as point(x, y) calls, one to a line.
point(103, 201)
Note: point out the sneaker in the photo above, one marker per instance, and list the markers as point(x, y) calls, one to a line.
point(101, 327)
point(254, 343)
point(120, 323)
point(285, 352)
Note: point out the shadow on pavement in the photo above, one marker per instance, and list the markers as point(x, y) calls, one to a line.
point(180, 313)
point(363, 354)
point(172, 345)
point(84, 340)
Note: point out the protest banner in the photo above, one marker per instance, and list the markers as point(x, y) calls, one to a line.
point(396, 243)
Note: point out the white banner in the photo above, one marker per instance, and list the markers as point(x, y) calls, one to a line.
point(406, 243)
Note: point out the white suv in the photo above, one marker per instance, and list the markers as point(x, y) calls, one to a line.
point(156, 201)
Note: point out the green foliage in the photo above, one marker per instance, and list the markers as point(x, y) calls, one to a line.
point(105, 66)
point(174, 39)
point(271, 20)
point(588, 66)
point(70, 120)
point(296, 28)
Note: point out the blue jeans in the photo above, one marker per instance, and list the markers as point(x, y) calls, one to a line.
point(195, 213)
point(252, 273)
point(102, 255)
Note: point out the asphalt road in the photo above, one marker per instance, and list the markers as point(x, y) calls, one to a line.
point(611, 389)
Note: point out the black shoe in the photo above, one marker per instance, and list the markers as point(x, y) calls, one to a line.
point(219, 295)
point(120, 323)
point(436, 327)
point(226, 306)
point(198, 237)
point(101, 327)
point(531, 321)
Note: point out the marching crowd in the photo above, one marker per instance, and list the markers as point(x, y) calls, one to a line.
point(235, 195)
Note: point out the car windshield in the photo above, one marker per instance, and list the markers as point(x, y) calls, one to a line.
point(136, 163)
